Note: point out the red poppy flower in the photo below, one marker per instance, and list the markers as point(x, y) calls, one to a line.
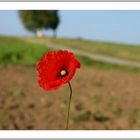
point(56, 68)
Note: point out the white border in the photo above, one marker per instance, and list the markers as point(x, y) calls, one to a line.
point(70, 5)
point(69, 134)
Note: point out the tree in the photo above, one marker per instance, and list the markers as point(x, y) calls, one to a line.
point(38, 20)
point(54, 22)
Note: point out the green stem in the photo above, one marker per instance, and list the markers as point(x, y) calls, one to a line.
point(67, 124)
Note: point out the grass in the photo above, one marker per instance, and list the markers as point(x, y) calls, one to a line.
point(103, 65)
point(15, 92)
point(96, 99)
point(84, 116)
point(128, 52)
point(99, 117)
point(16, 51)
point(134, 117)
point(118, 111)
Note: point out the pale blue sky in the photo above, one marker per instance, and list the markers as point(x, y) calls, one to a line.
point(113, 26)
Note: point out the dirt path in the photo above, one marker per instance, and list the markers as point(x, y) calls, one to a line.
point(97, 57)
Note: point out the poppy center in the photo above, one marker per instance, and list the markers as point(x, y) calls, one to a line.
point(63, 72)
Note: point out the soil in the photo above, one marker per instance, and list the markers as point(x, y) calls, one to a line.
point(102, 99)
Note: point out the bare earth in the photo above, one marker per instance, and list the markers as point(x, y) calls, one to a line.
point(102, 99)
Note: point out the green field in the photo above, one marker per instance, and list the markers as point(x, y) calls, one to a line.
point(17, 51)
point(102, 65)
point(129, 52)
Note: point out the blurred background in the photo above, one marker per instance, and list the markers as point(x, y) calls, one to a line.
point(106, 89)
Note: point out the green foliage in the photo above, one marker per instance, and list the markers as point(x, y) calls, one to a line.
point(118, 111)
point(85, 116)
point(39, 19)
point(54, 21)
point(134, 116)
point(124, 51)
point(102, 65)
point(100, 117)
point(16, 51)
point(16, 92)
point(96, 99)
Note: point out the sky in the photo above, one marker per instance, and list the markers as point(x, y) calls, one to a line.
point(110, 26)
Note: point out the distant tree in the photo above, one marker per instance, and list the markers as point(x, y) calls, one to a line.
point(38, 20)
point(54, 22)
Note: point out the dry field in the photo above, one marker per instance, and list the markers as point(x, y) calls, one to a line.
point(102, 99)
